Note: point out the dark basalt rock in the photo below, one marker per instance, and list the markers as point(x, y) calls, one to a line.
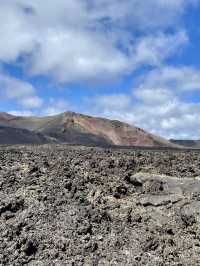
point(30, 248)
point(64, 205)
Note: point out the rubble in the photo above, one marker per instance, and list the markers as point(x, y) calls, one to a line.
point(75, 205)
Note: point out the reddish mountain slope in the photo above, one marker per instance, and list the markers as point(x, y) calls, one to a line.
point(5, 118)
point(76, 128)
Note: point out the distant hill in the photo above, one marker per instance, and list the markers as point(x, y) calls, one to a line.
point(73, 128)
point(187, 143)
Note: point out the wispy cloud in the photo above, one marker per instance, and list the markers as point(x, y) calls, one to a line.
point(56, 106)
point(20, 91)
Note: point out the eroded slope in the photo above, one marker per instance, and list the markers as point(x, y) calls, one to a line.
point(74, 128)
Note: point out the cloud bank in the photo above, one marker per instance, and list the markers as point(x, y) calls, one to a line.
point(100, 41)
point(77, 40)
point(159, 104)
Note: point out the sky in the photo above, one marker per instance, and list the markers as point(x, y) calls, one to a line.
point(136, 61)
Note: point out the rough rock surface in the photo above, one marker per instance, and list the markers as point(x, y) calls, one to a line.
point(62, 205)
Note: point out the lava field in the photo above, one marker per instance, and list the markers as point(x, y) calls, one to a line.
point(75, 205)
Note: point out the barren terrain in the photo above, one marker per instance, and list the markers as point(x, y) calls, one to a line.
point(74, 128)
point(75, 205)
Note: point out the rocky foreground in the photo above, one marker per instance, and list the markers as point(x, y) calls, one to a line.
point(62, 205)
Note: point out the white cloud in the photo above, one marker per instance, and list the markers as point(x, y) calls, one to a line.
point(21, 113)
point(163, 107)
point(112, 102)
point(158, 103)
point(79, 40)
point(77, 56)
point(17, 36)
point(152, 50)
point(56, 106)
point(143, 15)
point(154, 96)
point(182, 78)
point(100, 40)
point(31, 102)
point(20, 91)
point(51, 107)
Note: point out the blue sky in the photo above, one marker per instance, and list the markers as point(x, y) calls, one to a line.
point(136, 61)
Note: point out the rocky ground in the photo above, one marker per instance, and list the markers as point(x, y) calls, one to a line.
point(62, 205)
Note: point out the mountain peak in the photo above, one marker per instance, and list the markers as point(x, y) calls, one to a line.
point(6, 116)
point(70, 127)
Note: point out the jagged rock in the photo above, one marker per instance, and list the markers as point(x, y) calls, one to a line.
point(64, 205)
point(158, 200)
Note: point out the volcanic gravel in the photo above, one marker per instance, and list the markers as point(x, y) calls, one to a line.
point(68, 205)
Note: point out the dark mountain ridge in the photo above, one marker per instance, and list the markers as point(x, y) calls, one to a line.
point(74, 128)
point(195, 144)
point(9, 135)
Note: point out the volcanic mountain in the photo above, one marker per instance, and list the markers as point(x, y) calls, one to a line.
point(73, 128)
point(195, 144)
point(9, 135)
